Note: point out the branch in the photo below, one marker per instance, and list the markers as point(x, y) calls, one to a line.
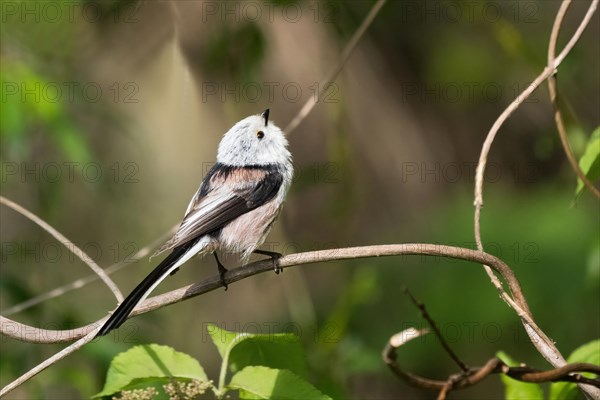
point(31, 334)
point(545, 74)
point(437, 332)
point(50, 361)
point(473, 376)
point(79, 283)
point(544, 345)
point(28, 333)
point(72, 247)
point(562, 131)
point(465, 379)
point(332, 75)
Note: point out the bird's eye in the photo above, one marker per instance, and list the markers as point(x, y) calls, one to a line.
point(260, 134)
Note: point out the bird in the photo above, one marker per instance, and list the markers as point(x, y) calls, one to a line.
point(233, 210)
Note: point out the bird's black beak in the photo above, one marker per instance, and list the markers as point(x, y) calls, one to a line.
point(265, 116)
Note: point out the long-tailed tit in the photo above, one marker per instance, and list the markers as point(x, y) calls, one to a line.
point(234, 209)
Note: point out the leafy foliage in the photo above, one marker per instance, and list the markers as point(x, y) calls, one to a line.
point(277, 350)
point(264, 366)
point(517, 390)
point(269, 383)
point(587, 353)
point(150, 365)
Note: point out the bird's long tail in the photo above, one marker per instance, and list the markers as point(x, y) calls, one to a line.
point(178, 256)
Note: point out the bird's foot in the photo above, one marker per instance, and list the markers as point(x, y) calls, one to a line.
point(274, 257)
point(222, 271)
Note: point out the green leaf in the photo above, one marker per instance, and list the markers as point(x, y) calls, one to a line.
point(275, 350)
point(590, 161)
point(516, 390)
point(269, 383)
point(587, 353)
point(280, 351)
point(222, 338)
point(149, 363)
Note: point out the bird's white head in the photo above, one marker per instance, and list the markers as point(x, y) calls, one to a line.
point(254, 141)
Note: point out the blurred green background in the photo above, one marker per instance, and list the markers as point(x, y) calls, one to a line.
point(111, 113)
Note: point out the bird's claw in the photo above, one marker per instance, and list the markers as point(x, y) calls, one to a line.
point(276, 266)
point(222, 272)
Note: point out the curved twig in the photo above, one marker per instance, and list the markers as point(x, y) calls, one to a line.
point(539, 339)
point(421, 306)
point(473, 376)
point(560, 126)
point(27, 333)
point(49, 361)
point(79, 283)
point(332, 75)
point(72, 247)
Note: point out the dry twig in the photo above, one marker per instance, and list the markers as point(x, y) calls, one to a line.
point(49, 361)
point(437, 332)
point(562, 131)
point(79, 283)
point(465, 379)
point(472, 376)
point(332, 75)
point(31, 334)
point(544, 345)
point(72, 247)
